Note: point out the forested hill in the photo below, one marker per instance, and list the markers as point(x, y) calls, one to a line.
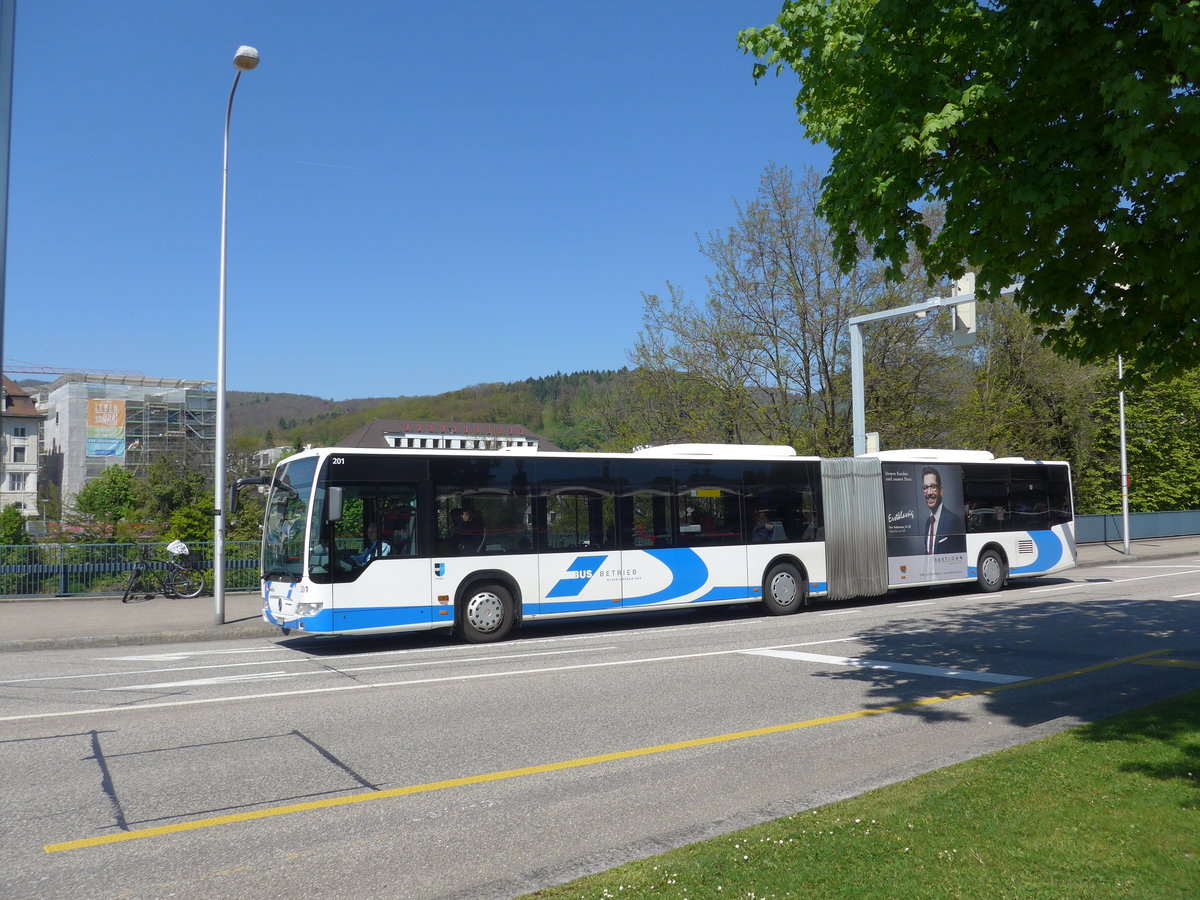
point(553, 407)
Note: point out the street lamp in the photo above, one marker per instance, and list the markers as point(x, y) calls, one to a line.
point(244, 60)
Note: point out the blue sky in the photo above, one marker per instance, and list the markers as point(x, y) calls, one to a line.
point(423, 196)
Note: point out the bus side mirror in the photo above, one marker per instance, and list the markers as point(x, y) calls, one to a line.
point(333, 504)
point(236, 489)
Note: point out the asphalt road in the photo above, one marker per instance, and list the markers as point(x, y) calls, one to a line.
point(418, 767)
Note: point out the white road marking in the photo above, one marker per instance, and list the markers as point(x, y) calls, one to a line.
point(188, 654)
point(363, 686)
point(1188, 565)
point(1076, 585)
point(408, 651)
point(220, 679)
point(877, 665)
point(324, 670)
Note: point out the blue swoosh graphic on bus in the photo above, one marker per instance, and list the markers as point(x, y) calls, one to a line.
point(583, 567)
point(1049, 552)
point(689, 573)
point(545, 608)
point(329, 621)
point(729, 593)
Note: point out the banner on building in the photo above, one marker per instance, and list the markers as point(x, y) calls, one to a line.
point(105, 427)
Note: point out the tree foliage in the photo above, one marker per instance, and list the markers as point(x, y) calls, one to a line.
point(1022, 399)
point(104, 503)
point(1162, 445)
point(1062, 136)
point(12, 526)
point(765, 356)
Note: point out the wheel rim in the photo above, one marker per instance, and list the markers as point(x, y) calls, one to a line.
point(784, 589)
point(485, 611)
point(991, 570)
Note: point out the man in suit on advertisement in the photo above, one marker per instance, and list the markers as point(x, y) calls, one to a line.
point(943, 531)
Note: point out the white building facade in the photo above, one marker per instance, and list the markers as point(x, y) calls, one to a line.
point(19, 475)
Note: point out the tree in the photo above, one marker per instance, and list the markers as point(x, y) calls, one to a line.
point(1163, 447)
point(105, 502)
point(765, 357)
point(170, 484)
point(1061, 135)
point(12, 526)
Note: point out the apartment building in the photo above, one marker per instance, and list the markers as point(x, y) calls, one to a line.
point(19, 453)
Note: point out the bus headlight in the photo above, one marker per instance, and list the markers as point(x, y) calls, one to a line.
point(307, 609)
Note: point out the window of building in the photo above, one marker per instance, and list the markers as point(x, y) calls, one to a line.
point(16, 481)
point(19, 431)
point(18, 454)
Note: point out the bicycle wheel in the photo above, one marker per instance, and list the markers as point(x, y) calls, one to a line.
point(186, 583)
point(133, 591)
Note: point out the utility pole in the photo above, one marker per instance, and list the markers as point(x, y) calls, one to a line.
point(964, 331)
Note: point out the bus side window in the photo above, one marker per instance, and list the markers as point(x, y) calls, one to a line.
point(1060, 495)
point(645, 505)
point(985, 494)
point(398, 518)
point(708, 503)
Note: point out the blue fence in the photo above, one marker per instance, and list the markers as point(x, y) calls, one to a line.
point(1105, 529)
point(68, 570)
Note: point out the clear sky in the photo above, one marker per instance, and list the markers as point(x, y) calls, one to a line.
point(423, 196)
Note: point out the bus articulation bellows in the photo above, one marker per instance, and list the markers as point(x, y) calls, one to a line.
point(360, 541)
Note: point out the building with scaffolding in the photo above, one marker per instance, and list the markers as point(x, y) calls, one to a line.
point(96, 421)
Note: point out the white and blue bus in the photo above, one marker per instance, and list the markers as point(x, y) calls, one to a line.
point(361, 541)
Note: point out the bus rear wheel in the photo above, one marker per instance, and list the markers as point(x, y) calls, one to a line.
point(487, 613)
point(993, 571)
point(784, 591)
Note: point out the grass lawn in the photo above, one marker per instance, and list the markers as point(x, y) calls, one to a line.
point(1110, 809)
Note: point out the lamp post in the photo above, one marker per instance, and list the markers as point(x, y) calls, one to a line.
point(244, 60)
point(1124, 456)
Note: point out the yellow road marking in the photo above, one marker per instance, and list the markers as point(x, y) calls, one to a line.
point(485, 778)
point(1170, 663)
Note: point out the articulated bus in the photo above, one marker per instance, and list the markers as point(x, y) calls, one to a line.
point(360, 542)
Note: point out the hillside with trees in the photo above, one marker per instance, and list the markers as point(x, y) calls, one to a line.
point(563, 408)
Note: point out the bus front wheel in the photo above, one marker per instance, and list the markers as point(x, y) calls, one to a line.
point(993, 572)
point(487, 613)
point(783, 590)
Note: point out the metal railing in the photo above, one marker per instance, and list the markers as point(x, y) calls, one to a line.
point(71, 570)
point(1094, 529)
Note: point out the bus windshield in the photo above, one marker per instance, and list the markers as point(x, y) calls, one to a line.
point(286, 517)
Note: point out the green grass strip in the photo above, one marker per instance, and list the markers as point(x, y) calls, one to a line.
point(1104, 810)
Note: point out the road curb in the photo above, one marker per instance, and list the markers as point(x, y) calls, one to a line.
point(182, 636)
point(1119, 556)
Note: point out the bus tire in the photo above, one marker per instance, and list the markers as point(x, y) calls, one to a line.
point(487, 613)
point(784, 591)
point(992, 571)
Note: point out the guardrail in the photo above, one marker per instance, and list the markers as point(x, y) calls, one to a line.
point(69, 570)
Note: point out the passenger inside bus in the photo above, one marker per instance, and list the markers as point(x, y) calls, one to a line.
point(764, 528)
point(466, 531)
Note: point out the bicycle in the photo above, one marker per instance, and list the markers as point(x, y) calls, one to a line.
point(177, 581)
